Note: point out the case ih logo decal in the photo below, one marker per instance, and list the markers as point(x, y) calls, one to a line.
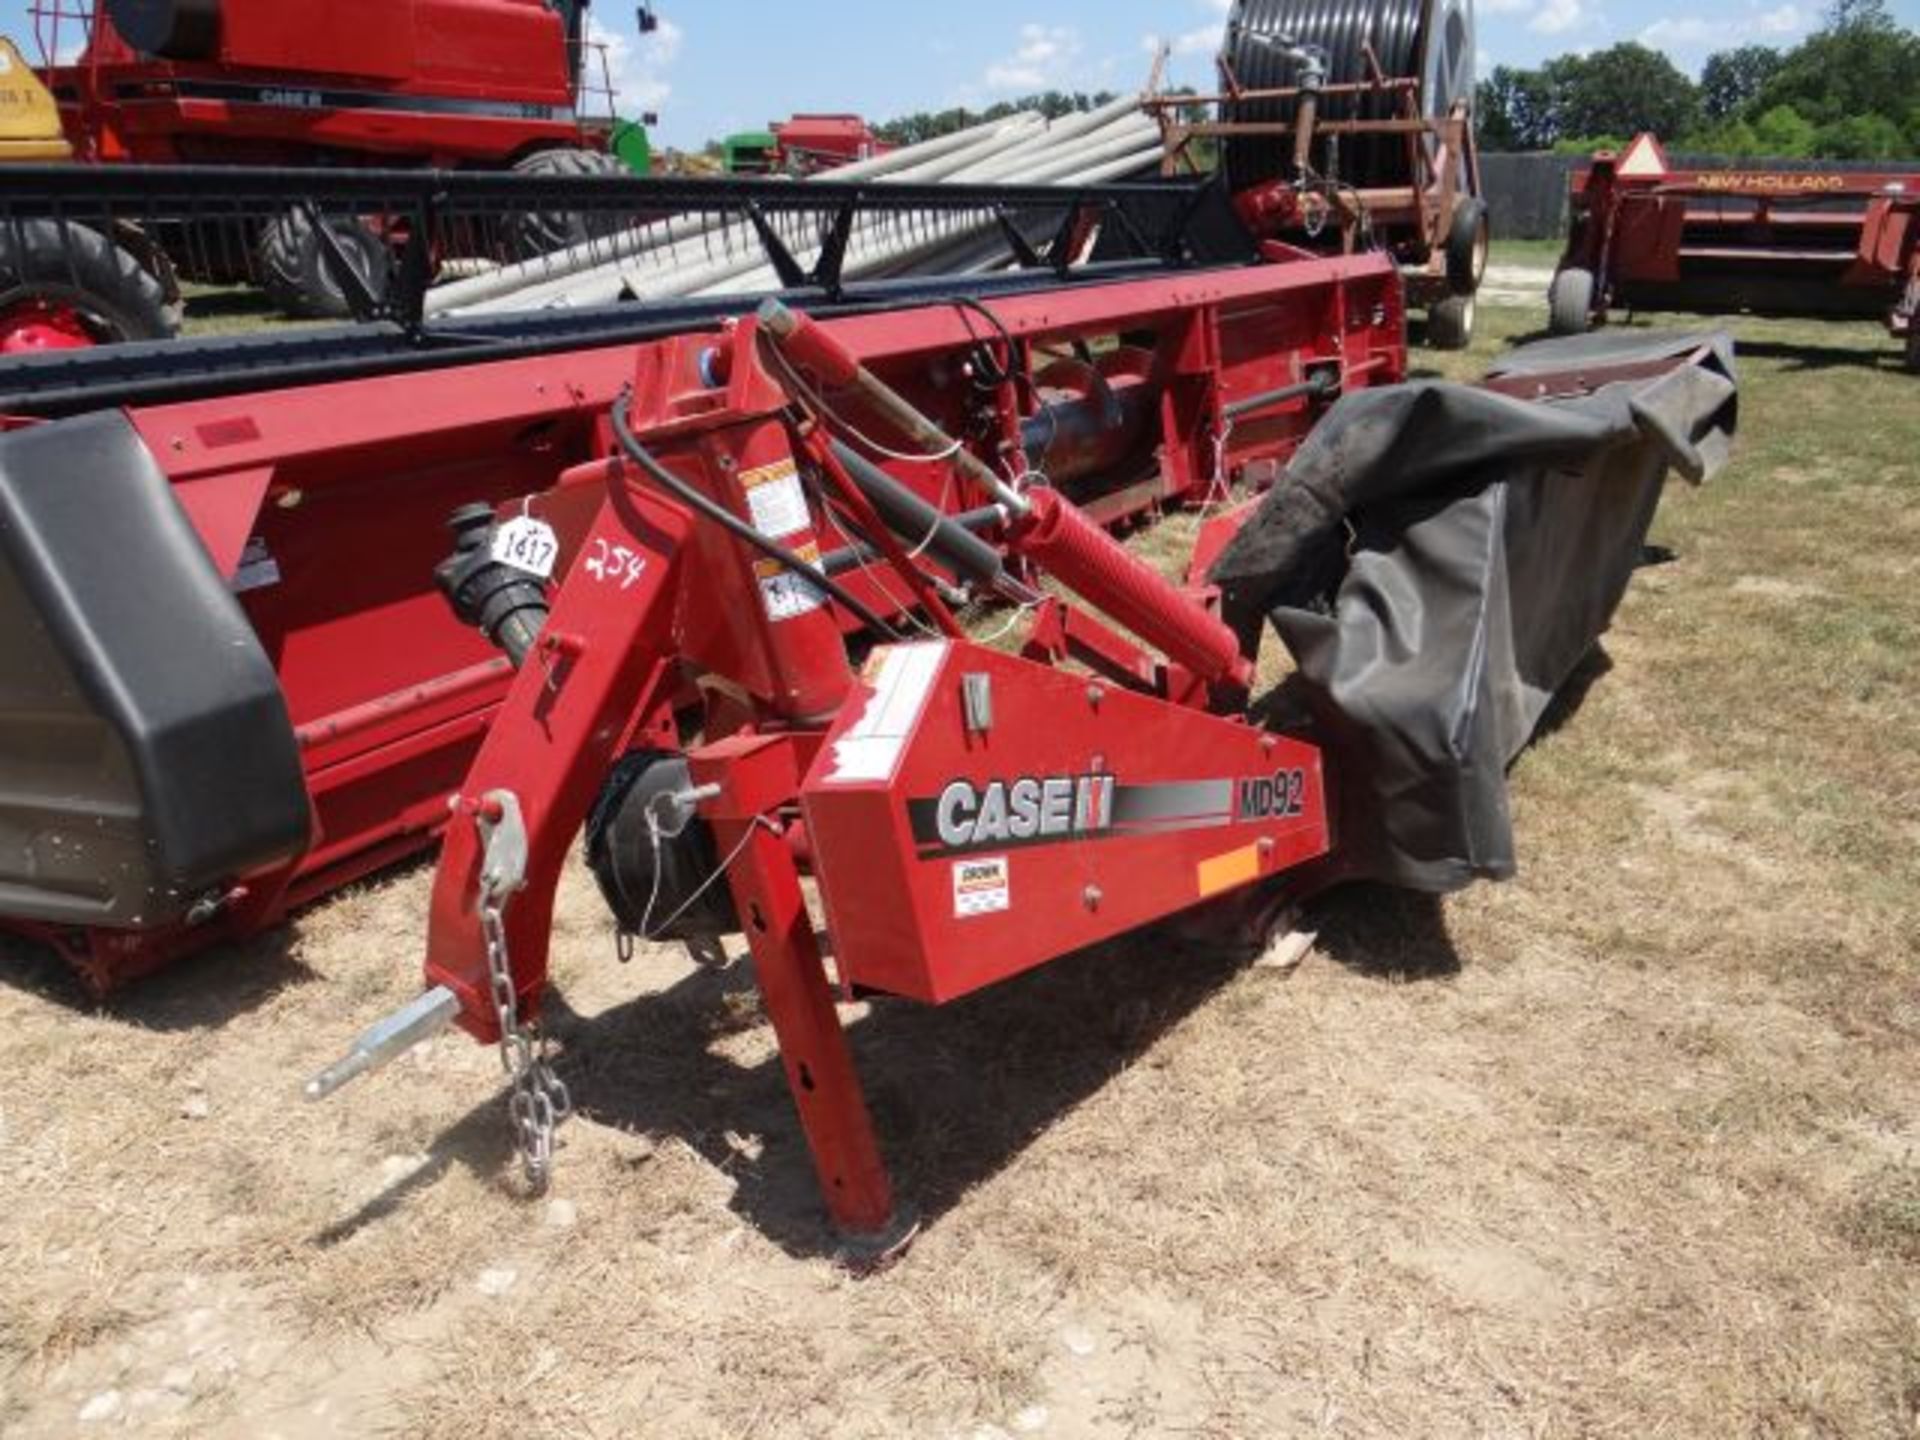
point(968, 817)
point(1030, 809)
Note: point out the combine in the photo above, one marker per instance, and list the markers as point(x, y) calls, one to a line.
point(753, 592)
point(503, 85)
point(1825, 243)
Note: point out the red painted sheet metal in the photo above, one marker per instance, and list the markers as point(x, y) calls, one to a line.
point(951, 855)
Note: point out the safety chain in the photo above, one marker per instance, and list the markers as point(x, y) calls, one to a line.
point(539, 1103)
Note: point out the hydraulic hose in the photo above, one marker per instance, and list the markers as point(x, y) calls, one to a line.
point(719, 514)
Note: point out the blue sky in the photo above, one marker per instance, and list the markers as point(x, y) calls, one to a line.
point(715, 66)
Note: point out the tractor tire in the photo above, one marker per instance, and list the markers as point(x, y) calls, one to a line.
point(532, 234)
point(67, 275)
point(294, 272)
point(1913, 344)
point(1570, 302)
point(1468, 241)
point(1450, 322)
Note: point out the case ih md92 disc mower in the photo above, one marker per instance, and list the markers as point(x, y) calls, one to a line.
point(691, 583)
point(1437, 558)
point(702, 610)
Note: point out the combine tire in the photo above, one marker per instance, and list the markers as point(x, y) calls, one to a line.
point(63, 286)
point(296, 276)
point(531, 234)
point(1450, 322)
point(1468, 240)
point(1570, 302)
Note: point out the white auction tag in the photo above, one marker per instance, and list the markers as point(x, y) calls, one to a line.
point(527, 544)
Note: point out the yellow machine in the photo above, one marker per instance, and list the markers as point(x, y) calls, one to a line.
point(29, 120)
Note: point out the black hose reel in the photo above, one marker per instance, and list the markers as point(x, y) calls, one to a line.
point(1431, 40)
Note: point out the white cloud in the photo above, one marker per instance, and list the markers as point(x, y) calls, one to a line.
point(1203, 41)
point(1555, 17)
point(1504, 7)
point(1045, 55)
point(637, 66)
point(1695, 33)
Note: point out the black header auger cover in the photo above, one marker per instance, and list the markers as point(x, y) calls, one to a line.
point(1440, 558)
point(146, 756)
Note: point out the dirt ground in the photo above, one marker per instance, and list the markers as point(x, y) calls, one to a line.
point(1627, 1147)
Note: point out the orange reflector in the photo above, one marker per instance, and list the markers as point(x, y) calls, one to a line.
point(1224, 872)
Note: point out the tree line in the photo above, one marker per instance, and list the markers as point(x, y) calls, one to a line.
point(1849, 91)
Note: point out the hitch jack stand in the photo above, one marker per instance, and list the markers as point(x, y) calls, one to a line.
point(754, 776)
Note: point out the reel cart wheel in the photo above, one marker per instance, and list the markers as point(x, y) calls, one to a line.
point(1570, 302)
point(1450, 322)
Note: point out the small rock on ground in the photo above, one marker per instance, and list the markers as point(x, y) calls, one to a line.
point(104, 1406)
point(497, 1281)
point(1079, 1340)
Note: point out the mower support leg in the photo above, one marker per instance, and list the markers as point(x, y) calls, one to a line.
point(754, 775)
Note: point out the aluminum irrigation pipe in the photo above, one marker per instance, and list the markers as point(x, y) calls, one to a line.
point(679, 258)
point(930, 159)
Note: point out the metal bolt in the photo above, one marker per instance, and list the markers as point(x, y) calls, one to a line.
point(1267, 847)
point(1092, 897)
point(1095, 694)
point(1269, 744)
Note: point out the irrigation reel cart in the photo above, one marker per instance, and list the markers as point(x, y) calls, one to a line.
point(1341, 127)
point(1825, 243)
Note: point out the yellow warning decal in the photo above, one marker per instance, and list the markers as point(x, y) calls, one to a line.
point(776, 499)
point(1225, 872)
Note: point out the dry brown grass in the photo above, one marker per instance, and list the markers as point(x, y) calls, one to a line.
point(1627, 1147)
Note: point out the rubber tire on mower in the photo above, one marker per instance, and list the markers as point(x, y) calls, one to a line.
point(1570, 302)
point(67, 265)
point(533, 233)
point(1468, 240)
point(1450, 322)
point(294, 271)
point(1913, 345)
